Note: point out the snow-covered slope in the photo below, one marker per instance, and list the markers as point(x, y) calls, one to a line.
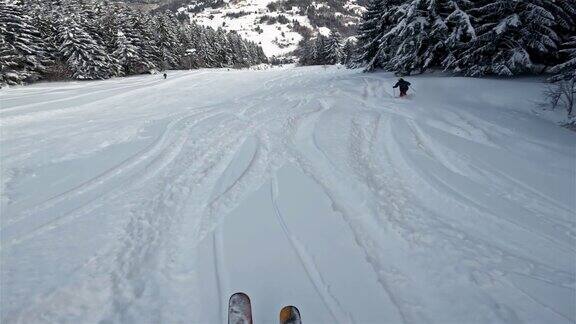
point(275, 39)
point(276, 25)
point(142, 200)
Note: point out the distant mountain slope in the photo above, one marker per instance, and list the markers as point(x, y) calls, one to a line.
point(277, 26)
point(157, 5)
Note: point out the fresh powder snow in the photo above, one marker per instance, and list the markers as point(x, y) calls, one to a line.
point(144, 200)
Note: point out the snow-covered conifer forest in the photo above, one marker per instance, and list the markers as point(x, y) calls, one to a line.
point(85, 40)
point(476, 38)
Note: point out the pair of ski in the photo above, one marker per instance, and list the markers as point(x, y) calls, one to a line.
point(240, 311)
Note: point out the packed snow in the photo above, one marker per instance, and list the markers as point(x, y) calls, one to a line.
point(143, 200)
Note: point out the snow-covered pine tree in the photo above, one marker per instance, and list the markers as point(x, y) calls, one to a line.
point(409, 36)
point(212, 49)
point(47, 17)
point(167, 40)
point(110, 22)
point(511, 35)
point(240, 53)
point(479, 37)
point(461, 30)
point(252, 53)
point(369, 33)
point(188, 60)
point(142, 35)
point(426, 34)
point(262, 58)
point(223, 48)
point(256, 54)
point(449, 26)
point(312, 52)
point(306, 52)
point(84, 57)
point(563, 90)
point(333, 48)
point(319, 50)
point(126, 54)
point(12, 65)
point(207, 52)
point(391, 22)
point(45, 21)
point(567, 69)
point(196, 39)
point(91, 16)
point(349, 51)
point(259, 56)
point(22, 56)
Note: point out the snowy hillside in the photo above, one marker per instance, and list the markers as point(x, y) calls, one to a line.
point(143, 200)
point(277, 26)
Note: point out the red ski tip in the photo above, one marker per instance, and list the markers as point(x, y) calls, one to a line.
point(290, 315)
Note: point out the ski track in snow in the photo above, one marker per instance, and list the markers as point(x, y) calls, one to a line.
point(141, 200)
point(339, 315)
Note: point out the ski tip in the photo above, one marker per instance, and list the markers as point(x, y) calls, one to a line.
point(239, 309)
point(239, 296)
point(290, 315)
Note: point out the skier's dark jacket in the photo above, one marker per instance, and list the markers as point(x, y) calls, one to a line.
point(402, 84)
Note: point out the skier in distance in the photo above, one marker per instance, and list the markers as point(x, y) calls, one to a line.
point(165, 76)
point(404, 86)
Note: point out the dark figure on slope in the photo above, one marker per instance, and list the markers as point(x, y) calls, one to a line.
point(165, 75)
point(404, 85)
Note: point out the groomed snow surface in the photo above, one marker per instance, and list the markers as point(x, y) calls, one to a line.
point(143, 200)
